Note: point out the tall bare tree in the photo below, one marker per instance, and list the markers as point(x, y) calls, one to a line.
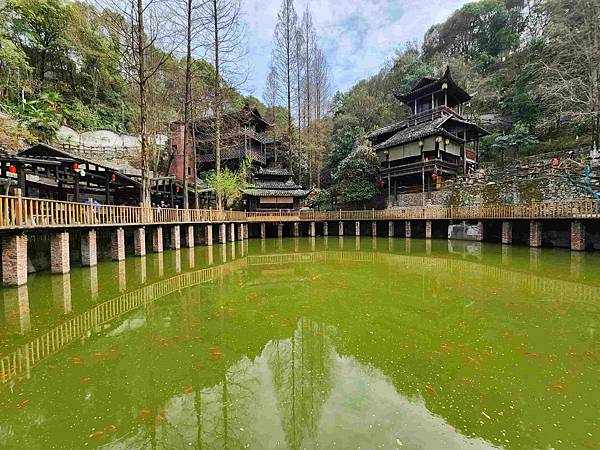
point(141, 27)
point(283, 59)
point(225, 47)
point(271, 98)
point(308, 32)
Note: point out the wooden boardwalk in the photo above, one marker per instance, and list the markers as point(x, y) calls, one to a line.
point(31, 213)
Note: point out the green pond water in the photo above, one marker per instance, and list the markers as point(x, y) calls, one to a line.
point(308, 343)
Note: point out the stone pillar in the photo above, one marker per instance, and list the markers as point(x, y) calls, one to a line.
point(577, 236)
point(139, 241)
point(311, 229)
point(59, 252)
point(325, 228)
point(263, 230)
point(357, 228)
point(296, 232)
point(374, 229)
point(175, 237)
point(341, 228)
point(428, 229)
point(117, 246)
point(280, 230)
point(240, 232)
point(408, 229)
point(222, 233)
point(390, 229)
point(480, 231)
point(14, 260)
point(209, 234)
point(232, 232)
point(535, 233)
point(157, 240)
point(246, 225)
point(89, 248)
point(507, 232)
point(188, 231)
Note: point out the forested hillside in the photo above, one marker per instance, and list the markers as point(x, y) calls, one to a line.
point(532, 65)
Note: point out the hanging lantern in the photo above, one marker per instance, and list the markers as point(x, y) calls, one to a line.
point(12, 169)
point(313, 194)
point(381, 184)
point(238, 194)
point(434, 176)
point(176, 188)
point(113, 177)
point(75, 166)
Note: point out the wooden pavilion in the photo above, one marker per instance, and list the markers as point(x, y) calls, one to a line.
point(433, 144)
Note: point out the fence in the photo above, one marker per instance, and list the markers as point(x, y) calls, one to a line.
point(21, 212)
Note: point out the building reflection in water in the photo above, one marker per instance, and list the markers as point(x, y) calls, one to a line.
point(210, 255)
point(408, 245)
point(534, 258)
point(159, 264)
point(61, 292)
point(326, 242)
point(296, 245)
point(577, 259)
point(232, 250)
point(177, 257)
point(223, 248)
point(341, 242)
point(16, 309)
point(191, 258)
point(313, 243)
point(506, 255)
point(140, 269)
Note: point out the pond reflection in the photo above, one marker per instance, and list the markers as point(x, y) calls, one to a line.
point(388, 343)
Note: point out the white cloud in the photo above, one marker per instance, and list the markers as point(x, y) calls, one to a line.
point(358, 36)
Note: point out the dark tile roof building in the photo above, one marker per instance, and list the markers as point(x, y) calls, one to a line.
point(273, 188)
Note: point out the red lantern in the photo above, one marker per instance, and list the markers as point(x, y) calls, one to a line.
point(12, 169)
point(176, 188)
point(381, 184)
point(434, 176)
point(113, 177)
point(75, 166)
point(313, 193)
point(238, 194)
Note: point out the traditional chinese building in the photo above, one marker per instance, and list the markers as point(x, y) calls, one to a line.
point(273, 188)
point(433, 144)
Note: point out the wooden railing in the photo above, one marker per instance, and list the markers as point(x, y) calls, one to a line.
point(20, 212)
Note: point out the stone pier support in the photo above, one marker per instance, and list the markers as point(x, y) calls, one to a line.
point(312, 229)
point(139, 241)
point(222, 233)
point(89, 248)
point(209, 235)
point(190, 241)
point(117, 245)
point(374, 229)
point(157, 240)
point(296, 229)
point(408, 229)
point(279, 230)
point(578, 236)
point(341, 228)
point(325, 228)
point(390, 229)
point(232, 232)
point(507, 232)
point(480, 231)
point(59, 252)
point(263, 230)
point(14, 260)
point(535, 233)
point(175, 237)
point(246, 225)
point(357, 228)
point(428, 229)
point(240, 231)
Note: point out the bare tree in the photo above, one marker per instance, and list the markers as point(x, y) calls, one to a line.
point(308, 32)
point(569, 79)
point(141, 28)
point(271, 98)
point(298, 67)
point(283, 58)
point(224, 44)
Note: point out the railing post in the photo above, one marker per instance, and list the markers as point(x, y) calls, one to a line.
point(19, 207)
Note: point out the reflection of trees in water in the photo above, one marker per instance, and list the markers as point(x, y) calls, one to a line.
point(301, 368)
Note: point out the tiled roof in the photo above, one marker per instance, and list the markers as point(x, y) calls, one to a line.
point(274, 171)
point(276, 184)
point(415, 132)
point(275, 192)
point(388, 129)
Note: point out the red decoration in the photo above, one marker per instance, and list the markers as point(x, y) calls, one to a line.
point(238, 194)
point(381, 184)
point(313, 193)
point(12, 169)
point(434, 176)
point(176, 188)
point(75, 166)
point(113, 177)
point(555, 161)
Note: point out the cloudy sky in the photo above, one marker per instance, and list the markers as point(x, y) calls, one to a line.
point(358, 36)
